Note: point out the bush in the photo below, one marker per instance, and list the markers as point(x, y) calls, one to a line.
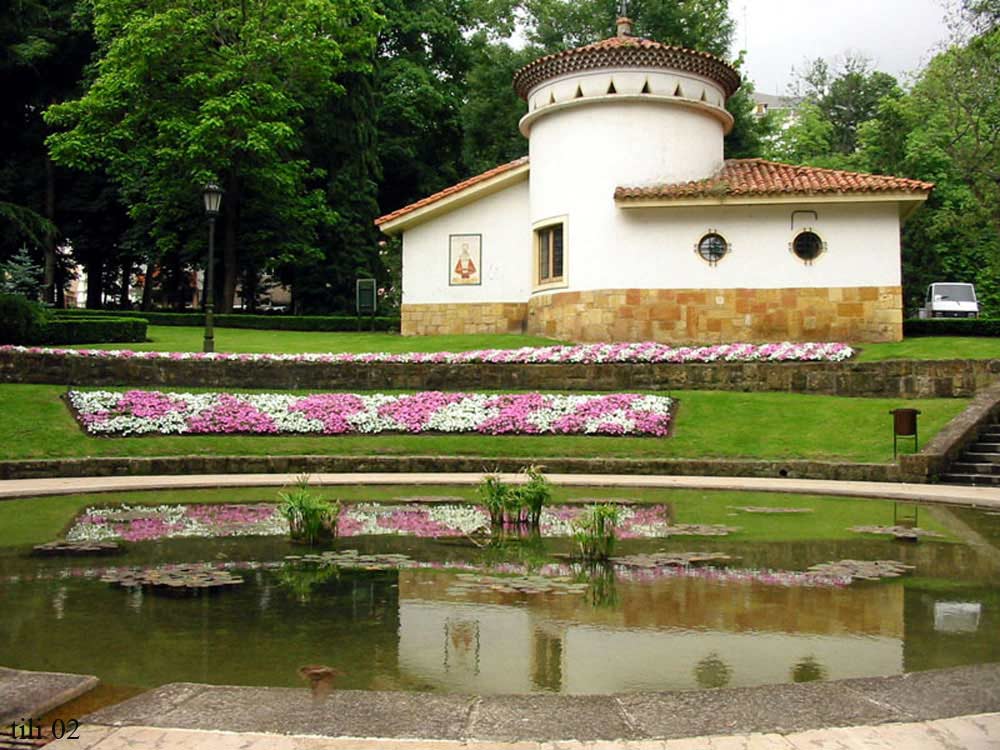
point(515, 506)
point(535, 494)
point(310, 517)
point(80, 330)
point(20, 319)
point(952, 327)
point(594, 532)
point(271, 322)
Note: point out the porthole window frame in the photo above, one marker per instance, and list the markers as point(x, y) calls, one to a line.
point(704, 236)
point(823, 246)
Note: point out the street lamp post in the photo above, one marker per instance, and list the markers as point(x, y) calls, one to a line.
point(213, 198)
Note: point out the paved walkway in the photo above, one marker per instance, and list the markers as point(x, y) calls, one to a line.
point(979, 732)
point(926, 493)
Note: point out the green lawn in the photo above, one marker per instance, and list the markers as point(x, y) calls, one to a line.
point(186, 339)
point(933, 347)
point(36, 520)
point(189, 339)
point(37, 424)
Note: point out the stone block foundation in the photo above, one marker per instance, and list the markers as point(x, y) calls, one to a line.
point(472, 317)
point(703, 316)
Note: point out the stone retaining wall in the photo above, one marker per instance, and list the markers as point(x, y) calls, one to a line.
point(890, 379)
point(449, 318)
point(105, 467)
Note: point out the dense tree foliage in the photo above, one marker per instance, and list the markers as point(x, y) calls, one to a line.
point(188, 92)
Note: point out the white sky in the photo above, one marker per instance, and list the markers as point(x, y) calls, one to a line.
point(900, 36)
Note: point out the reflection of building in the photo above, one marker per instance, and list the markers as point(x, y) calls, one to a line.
point(662, 635)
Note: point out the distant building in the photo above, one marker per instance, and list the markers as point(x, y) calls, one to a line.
point(785, 106)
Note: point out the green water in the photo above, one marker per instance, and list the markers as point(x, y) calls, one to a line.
point(414, 629)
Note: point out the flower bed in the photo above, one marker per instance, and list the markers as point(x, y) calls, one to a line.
point(143, 523)
point(154, 412)
point(635, 353)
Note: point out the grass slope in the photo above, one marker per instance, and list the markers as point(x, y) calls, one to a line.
point(933, 347)
point(36, 520)
point(37, 424)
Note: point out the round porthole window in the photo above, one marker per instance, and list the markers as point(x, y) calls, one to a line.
point(712, 247)
point(808, 246)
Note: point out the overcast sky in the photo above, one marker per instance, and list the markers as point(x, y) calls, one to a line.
point(898, 35)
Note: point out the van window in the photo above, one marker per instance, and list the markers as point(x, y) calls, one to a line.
point(954, 292)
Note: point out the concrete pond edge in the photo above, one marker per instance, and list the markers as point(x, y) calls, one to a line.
point(431, 717)
point(954, 495)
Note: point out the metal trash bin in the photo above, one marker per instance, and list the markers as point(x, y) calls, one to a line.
point(904, 424)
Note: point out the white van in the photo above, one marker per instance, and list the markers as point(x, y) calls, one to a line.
point(950, 300)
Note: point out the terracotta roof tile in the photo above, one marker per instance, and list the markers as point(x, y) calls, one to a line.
point(629, 52)
point(757, 177)
point(449, 191)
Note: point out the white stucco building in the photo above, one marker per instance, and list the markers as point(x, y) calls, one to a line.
point(626, 223)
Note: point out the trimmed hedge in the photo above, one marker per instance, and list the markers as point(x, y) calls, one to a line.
point(952, 327)
point(93, 330)
point(273, 322)
point(20, 319)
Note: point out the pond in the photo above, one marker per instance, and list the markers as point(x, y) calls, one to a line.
point(425, 602)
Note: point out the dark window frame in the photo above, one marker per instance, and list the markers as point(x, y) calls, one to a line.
point(550, 253)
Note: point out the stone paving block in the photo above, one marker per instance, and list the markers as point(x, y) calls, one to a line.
point(89, 736)
point(510, 718)
point(775, 709)
point(936, 694)
point(767, 742)
point(968, 731)
point(910, 736)
point(26, 694)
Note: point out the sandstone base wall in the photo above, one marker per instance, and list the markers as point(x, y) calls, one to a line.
point(473, 317)
point(679, 316)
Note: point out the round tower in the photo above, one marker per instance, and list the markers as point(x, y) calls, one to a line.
point(623, 111)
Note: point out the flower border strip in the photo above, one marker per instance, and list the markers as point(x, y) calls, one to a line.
point(140, 412)
point(646, 352)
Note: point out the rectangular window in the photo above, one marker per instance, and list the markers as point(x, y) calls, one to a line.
point(549, 246)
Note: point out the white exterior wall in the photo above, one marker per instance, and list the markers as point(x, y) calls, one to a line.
point(503, 221)
point(580, 155)
point(654, 248)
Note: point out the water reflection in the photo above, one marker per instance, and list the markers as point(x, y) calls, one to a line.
point(598, 630)
point(808, 670)
point(712, 672)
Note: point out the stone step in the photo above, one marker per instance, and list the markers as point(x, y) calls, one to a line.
point(973, 479)
point(985, 446)
point(973, 456)
point(966, 467)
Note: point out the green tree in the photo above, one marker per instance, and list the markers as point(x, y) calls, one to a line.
point(187, 92)
point(838, 100)
point(44, 46)
point(20, 275)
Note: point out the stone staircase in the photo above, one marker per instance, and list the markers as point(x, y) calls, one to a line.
point(980, 462)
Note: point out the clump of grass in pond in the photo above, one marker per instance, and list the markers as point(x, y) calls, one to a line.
point(534, 494)
point(311, 518)
point(515, 506)
point(594, 531)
